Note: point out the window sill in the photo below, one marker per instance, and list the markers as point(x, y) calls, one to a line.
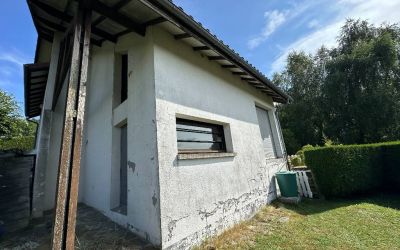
point(192, 156)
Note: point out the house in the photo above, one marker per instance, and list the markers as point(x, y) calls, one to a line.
point(180, 136)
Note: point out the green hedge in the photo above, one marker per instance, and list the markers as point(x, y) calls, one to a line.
point(23, 143)
point(391, 163)
point(354, 169)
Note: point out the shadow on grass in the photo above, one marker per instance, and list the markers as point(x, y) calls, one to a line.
point(314, 206)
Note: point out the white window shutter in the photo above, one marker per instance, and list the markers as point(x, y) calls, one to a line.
point(266, 133)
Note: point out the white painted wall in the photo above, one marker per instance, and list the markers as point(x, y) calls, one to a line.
point(201, 197)
point(54, 149)
point(173, 203)
point(101, 162)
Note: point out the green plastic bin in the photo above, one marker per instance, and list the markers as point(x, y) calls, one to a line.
point(287, 183)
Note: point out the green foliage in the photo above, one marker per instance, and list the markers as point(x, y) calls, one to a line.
point(9, 112)
point(353, 169)
point(16, 133)
point(300, 153)
point(23, 143)
point(295, 161)
point(349, 94)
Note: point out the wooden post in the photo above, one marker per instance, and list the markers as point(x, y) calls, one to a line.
point(69, 168)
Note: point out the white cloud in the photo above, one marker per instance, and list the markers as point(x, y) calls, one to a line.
point(14, 56)
point(11, 61)
point(274, 19)
point(375, 11)
point(313, 24)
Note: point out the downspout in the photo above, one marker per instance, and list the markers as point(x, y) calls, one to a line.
point(33, 169)
point(36, 132)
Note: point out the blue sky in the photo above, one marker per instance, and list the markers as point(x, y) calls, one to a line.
point(262, 31)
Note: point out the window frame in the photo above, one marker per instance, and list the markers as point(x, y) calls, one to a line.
point(220, 132)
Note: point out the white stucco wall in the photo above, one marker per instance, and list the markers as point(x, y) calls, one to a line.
point(201, 197)
point(100, 164)
point(173, 203)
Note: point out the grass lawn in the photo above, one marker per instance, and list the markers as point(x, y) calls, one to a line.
point(363, 223)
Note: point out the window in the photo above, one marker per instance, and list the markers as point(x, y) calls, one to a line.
point(267, 130)
point(199, 137)
point(124, 78)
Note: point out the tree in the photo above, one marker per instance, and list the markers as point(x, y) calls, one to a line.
point(348, 94)
point(301, 121)
point(12, 124)
point(361, 94)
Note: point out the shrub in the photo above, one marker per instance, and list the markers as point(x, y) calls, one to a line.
point(391, 163)
point(353, 169)
point(295, 161)
point(300, 153)
point(23, 143)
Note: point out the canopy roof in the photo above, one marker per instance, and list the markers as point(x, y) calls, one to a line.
point(35, 86)
point(114, 18)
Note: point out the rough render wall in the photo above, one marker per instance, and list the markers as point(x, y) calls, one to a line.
point(47, 148)
point(143, 216)
point(54, 149)
point(199, 198)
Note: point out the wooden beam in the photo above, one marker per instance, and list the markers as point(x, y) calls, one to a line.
point(155, 21)
point(120, 4)
point(214, 58)
point(67, 18)
point(182, 36)
point(78, 133)
point(50, 10)
point(201, 48)
point(229, 66)
point(39, 76)
point(36, 102)
point(38, 85)
point(248, 78)
point(239, 73)
point(117, 17)
point(104, 34)
point(68, 174)
point(50, 24)
point(38, 66)
point(116, 7)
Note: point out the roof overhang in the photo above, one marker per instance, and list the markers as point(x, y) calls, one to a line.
point(114, 18)
point(35, 80)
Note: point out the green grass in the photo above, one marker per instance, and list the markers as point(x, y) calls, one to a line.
point(368, 223)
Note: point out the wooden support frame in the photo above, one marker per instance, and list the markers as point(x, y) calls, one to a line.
point(155, 21)
point(199, 48)
point(182, 36)
point(66, 18)
point(216, 58)
point(239, 73)
point(116, 7)
point(117, 17)
point(229, 66)
point(68, 173)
